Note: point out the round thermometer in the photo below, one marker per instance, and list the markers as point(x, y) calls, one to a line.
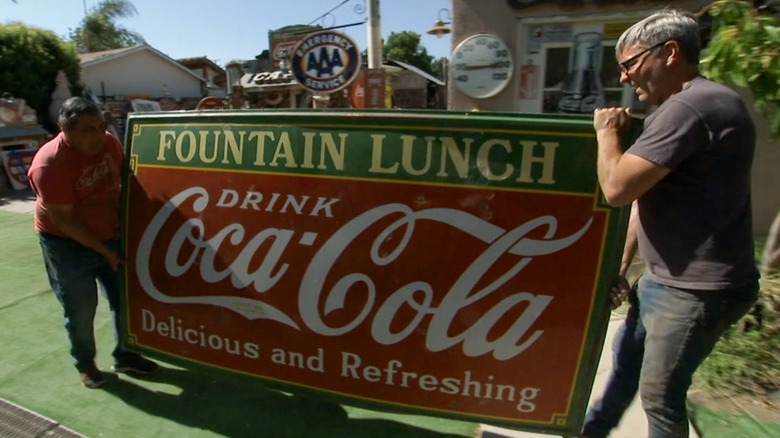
point(481, 66)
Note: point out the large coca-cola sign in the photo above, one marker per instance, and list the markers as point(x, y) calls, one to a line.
point(448, 264)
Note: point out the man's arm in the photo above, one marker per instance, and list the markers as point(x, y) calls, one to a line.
point(623, 177)
point(619, 292)
point(63, 218)
point(631, 245)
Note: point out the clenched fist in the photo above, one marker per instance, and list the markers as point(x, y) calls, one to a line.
point(614, 118)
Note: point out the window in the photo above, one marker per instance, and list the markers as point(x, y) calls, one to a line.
point(581, 76)
point(556, 70)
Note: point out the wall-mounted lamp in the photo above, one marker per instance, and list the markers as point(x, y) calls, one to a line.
point(440, 28)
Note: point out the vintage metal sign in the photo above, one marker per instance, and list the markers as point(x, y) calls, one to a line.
point(325, 61)
point(449, 264)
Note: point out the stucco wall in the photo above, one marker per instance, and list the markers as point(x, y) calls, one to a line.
point(140, 73)
point(475, 16)
point(497, 17)
point(766, 174)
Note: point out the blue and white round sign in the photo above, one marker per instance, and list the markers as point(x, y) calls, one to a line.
point(326, 61)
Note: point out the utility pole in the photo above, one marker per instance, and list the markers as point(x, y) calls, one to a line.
point(374, 35)
point(374, 77)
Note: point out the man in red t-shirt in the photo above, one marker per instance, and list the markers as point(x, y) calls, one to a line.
point(76, 180)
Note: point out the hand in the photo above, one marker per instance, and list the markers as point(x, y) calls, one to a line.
point(614, 118)
point(114, 260)
point(619, 292)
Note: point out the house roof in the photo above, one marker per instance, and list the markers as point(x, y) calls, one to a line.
point(97, 57)
point(199, 61)
point(94, 58)
point(219, 80)
point(414, 69)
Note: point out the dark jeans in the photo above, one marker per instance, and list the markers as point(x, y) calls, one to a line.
point(74, 271)
point(667, 334)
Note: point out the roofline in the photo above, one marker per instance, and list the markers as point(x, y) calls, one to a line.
point(211, 63)
point(416, 70)
point(138, 48)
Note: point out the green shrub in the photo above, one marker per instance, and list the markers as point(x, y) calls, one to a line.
point(747, 358)
point(34, 57)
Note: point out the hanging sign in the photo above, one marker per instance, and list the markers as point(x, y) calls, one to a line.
point(368, 90)
point(327, 61)
point(441, 263)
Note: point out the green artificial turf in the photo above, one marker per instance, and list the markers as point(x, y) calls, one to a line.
point(36, 373)
point(714, 424)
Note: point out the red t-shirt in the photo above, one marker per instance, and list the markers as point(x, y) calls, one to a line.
point(61, 175)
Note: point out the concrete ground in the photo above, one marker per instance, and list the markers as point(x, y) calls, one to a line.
point(18, 201)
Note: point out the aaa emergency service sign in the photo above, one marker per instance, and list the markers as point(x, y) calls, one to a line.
point(326, 61)
point(443, 263)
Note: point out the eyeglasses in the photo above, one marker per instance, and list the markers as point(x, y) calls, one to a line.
point(629, 63)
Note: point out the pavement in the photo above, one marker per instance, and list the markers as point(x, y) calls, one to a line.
point(633, 425)
point(18, 201)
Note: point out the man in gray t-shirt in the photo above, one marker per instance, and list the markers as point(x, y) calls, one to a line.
point(688, 179)
point(695, 226)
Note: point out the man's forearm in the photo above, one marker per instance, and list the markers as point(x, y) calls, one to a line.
point(81, 234)
point(609, 154)
point(631, 245)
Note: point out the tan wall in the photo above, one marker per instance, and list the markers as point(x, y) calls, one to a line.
point(766, 174)
point(497, 17)
point(474, 16)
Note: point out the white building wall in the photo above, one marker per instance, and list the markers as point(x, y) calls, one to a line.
point(141, 72)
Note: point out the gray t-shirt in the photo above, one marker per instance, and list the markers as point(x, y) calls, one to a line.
point(695, 227)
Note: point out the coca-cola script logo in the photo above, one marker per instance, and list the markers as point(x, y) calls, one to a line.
point(416, 294)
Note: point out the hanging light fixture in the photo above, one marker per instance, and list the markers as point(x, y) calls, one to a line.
point(440, 28)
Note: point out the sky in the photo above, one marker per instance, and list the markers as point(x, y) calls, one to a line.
point(226, 30)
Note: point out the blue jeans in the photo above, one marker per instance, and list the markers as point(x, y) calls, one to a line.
point(74, 271)
point(667, 334)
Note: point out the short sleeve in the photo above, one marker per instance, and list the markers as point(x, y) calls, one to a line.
point(672, 134)
point(115, 146)
point(53, 182)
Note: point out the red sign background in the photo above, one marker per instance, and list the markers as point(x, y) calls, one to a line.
point(342, 355)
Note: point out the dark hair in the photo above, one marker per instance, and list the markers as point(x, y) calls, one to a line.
point(662, 26)
point(75, 107)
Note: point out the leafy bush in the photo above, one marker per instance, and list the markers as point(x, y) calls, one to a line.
point(34, 57)
point(745, 51)
point(747, 358)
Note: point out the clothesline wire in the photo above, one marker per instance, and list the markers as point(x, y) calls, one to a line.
point(325, 14)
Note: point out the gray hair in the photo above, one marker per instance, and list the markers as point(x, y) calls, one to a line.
point(75, 107)
point(662, 26)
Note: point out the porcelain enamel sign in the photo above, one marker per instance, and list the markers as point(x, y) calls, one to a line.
point(447, 264)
